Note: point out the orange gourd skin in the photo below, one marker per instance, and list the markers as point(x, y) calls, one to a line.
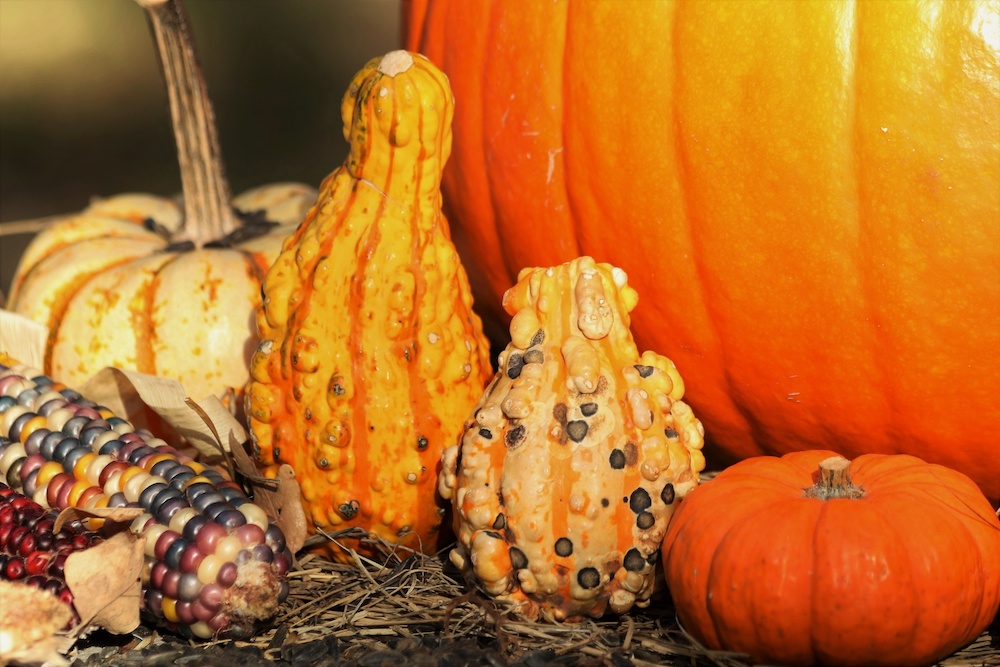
point(113, 291)
point(806, 194)
point(567, 473)
point(371, 357)
point(904, 575)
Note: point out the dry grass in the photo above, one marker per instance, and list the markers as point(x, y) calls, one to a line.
point(406, 594)
point(373, 603)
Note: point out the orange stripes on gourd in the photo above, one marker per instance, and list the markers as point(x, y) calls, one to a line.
point(371, 284)
point(564, 479)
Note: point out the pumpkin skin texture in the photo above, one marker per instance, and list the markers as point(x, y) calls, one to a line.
point(567, 473)
point(822, 176)
point(903, 575)
point(371, 357)
point(114, 291)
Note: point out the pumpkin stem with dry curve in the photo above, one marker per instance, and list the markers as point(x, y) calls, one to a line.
point(207, 213)
point(834, 481)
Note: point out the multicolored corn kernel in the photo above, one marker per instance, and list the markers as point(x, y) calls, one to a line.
point(216, 562)
point(32, 552)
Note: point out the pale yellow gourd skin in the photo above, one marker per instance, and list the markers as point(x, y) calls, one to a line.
point(567, 474)
point(113, 292)
point(371, 358)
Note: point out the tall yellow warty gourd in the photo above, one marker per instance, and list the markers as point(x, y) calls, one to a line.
point(371, 357)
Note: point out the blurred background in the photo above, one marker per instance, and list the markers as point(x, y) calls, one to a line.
point(83, 111)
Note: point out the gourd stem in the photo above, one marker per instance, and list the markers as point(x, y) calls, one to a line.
point(834, 481)
point(207, 213)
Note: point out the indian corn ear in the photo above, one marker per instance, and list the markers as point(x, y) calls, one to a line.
point(31, 551)
point(215, 562)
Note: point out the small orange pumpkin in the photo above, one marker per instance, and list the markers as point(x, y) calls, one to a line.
point(809, 559)
point(141, 282)
point(371, 357)
point(567, 473)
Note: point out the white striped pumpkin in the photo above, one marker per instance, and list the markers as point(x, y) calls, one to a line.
point(115, 290)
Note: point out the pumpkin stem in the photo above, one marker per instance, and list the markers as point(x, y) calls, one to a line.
point(834, 481)
point(207, 212)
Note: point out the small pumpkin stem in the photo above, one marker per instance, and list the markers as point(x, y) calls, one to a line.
point(395, 63)
point(207, 212)
point(834, 481)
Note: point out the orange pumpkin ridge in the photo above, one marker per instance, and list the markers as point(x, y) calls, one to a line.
point(142, 318)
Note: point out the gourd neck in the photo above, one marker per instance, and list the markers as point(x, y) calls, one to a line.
point(208, 215)
point(397, 118)
point(834, 481)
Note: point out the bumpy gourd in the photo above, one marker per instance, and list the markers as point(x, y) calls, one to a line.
point(568, 471)
point(371, 357)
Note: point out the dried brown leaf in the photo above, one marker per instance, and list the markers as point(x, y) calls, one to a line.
point(23, 339)
point(147, 401)
point(281, 498)
point(203, 423)
point(116, 514)
point(117, 392)
point(105, 580)
point(285, 502)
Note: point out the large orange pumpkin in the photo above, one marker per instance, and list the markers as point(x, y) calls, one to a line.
point(807, 195)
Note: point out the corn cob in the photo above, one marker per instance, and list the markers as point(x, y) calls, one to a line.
point(30, 552)
point(216, 563)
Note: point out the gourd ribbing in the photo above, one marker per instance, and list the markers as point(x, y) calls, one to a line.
point(371, 356)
